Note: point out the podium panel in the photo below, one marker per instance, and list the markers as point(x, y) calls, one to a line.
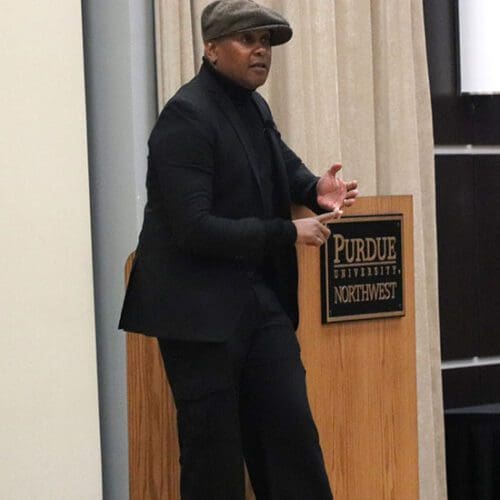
point(361, 378)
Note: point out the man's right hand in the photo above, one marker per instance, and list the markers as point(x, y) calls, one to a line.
point(312, 230)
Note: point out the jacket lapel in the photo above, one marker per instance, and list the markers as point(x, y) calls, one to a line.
point(229, 110)
point(282, 200)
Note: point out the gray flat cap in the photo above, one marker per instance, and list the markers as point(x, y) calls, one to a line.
point(225, 17)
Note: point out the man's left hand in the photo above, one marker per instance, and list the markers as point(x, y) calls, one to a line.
point(333, 193)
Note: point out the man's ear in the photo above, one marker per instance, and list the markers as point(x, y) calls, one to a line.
point(211, 52)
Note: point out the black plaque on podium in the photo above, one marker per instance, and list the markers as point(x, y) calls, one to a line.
point(362, 268)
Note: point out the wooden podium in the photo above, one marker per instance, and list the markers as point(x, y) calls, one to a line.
point(361, 378)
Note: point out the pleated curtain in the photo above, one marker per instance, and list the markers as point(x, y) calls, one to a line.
point(352, 86)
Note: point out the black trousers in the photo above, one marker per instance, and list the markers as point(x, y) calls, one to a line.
point(245, 399)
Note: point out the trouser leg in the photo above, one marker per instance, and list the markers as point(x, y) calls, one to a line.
point(280, 439)
point(246, 396)
point(201, 376)
point(281, 443)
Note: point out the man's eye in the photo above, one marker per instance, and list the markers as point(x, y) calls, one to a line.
point(251, 39)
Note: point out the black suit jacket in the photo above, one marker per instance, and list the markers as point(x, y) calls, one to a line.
point(204, 230)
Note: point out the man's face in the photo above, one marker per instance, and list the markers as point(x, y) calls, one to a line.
point(244, 58)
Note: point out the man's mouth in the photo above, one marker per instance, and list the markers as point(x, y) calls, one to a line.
point(259, 65)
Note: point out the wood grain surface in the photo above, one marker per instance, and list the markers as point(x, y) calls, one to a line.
point(152, 428)
point(361, 378)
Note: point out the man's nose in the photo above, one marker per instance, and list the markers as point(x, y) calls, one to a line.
point(261, 48)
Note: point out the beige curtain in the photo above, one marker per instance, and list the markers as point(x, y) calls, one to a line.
point(352, 86)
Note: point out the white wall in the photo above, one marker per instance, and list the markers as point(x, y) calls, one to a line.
point(49, 428)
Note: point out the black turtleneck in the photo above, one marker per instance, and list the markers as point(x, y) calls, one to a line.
point(254, 125)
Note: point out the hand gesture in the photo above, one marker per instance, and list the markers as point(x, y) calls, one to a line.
point(334, 193)
point(312, 231)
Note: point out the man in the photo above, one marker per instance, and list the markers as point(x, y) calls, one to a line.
point(215, 275)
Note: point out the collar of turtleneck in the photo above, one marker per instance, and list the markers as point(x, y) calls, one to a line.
point(233, 90)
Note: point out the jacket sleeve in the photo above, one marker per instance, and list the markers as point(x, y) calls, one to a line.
point(182, 155)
